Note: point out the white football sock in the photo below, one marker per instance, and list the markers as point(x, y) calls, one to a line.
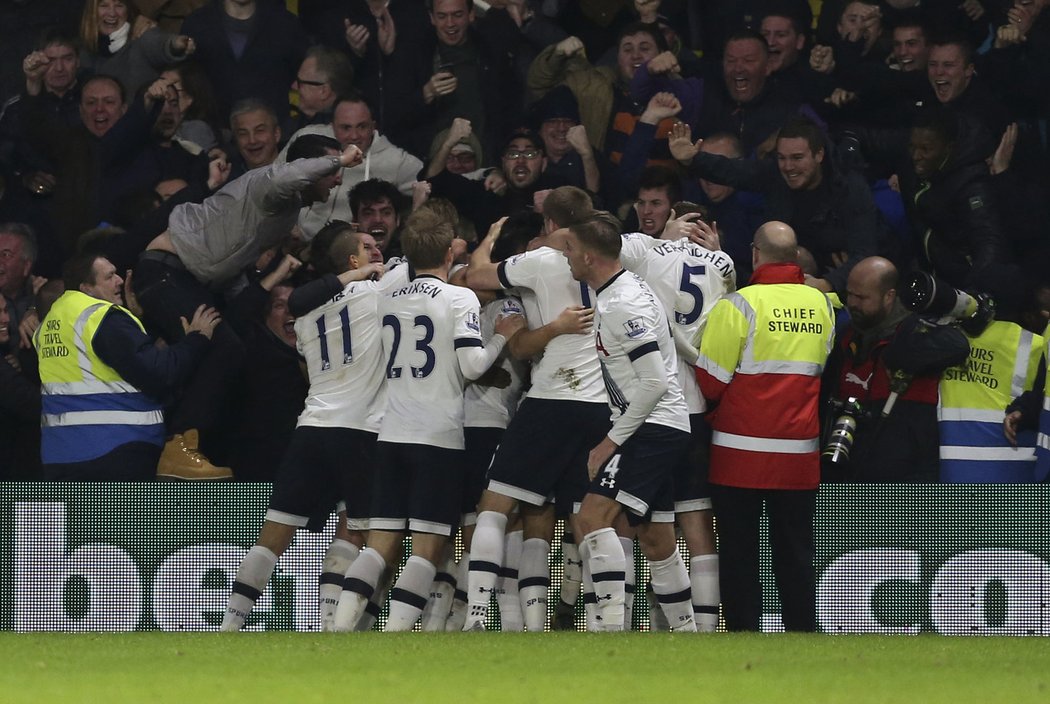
point(486, 557)
point(572, 566)
point(409, 595)
point(534, 579)
point(627, 544)
point(590, 606)
point(606, 563)
point(671, 586)
point(440, 602)
point(375, 603)
point(657, 620)
point(252, 578)
point(703, 577)
point(510, 615)
point(337, 560)
point(457, 615)
point(358, 587)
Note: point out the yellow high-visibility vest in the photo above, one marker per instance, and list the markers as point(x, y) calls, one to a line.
point(87, 408)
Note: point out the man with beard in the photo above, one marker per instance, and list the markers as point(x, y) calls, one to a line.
point(353, 124)
point(523, 161)
point(902, 447)
point(376, 205)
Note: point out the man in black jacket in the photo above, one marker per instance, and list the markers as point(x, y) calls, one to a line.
point(952, 205)
point(831, 211)
point(249, 49)
point(460, 71)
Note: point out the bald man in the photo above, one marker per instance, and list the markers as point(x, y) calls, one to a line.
point(859, 368)
point(765, 445)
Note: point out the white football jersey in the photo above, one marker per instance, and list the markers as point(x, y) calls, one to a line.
point(340, 342)
point(344, 360)
point(629, 323)
point(488, 406)
point(424, 322)
point(568, 369)
point(688, 280)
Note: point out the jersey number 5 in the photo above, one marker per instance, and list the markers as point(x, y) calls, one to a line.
point(422, 344)
point(686, 285)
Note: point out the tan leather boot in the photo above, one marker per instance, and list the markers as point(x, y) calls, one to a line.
point(182, 459)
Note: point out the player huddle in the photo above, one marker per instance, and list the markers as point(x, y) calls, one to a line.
point(418, 422)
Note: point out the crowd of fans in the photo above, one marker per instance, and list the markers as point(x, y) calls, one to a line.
point(913, 131)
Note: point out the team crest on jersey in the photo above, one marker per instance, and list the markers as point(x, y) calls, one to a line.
point(473, 322)
point(511, 307)
point(635, 327)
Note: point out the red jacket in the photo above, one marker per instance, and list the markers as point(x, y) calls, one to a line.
point(760, 360)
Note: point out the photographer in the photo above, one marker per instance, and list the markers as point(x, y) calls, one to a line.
point(902, 447)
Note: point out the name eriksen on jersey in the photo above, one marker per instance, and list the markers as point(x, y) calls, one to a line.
point(424, 287)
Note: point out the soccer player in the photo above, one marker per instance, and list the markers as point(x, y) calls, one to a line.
point(632, 468)
point(432, 344)
point(688, 279)
point(543, 453)
point(489, 408)
point(340, 342)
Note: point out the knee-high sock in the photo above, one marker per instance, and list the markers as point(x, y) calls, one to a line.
point(358, 587)
point(252, 577)
point(510, 615)
point(606, 562)
point(572, 565)
point(337, 560)
point(671, 586)
point(457, 615)
point(590, 605)
point(627, 544)
point(375, 602)
point(440, 602)
point(657, 620)
point(703, 577)
point(409, 595)
point(486, 557)
point(534, 579)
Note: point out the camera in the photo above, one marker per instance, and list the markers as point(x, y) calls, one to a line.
point(931, 297)
point(840, 441)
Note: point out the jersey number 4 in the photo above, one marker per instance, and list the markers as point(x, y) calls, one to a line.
point(422, 344)
point(686, 285)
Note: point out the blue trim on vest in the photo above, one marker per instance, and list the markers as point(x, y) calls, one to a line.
point(977, 434)
point(80, 443)
point(52, 404)
point(972, 433)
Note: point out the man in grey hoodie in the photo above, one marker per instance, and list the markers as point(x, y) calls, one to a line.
point(204, 251)
point(353, 124)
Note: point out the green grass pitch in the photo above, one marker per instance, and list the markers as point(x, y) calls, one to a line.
point(634, 668)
